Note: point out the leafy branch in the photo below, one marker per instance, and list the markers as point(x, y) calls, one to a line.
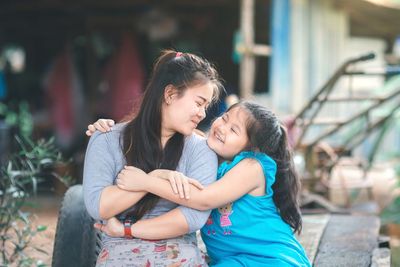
point(32, 164)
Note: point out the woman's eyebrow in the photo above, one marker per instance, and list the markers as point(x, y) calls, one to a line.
point(202, 98)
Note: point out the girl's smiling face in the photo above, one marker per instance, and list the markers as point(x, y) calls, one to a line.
point(228, 133)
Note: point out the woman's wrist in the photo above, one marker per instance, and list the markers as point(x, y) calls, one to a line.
point(120, 231)
point(146, 184)
point(133, 230)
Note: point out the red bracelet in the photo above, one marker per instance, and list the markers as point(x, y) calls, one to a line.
point(127, 229)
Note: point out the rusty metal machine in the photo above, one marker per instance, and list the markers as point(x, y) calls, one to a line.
point(320, 139)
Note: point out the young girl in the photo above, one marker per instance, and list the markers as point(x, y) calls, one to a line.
point(254, 200)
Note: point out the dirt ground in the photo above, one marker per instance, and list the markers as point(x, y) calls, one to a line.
point(46, 213)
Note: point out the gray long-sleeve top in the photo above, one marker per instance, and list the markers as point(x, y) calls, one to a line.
point(104, 160)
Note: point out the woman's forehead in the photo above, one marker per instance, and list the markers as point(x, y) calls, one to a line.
point(202, 91)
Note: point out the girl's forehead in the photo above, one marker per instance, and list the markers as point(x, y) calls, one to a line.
point(239, 113)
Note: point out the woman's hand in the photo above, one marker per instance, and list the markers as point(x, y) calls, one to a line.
point(113, 227)
point(102, 125)
point(132, 179)
point(180, 184)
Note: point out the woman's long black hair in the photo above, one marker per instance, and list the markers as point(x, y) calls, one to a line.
point(267, 134)
point(142, 135)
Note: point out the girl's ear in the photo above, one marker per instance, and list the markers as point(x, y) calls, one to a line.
point(170, 92)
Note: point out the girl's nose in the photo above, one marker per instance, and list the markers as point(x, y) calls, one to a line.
point(221, 128)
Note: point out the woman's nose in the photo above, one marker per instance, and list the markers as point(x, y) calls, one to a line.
point(202, 112)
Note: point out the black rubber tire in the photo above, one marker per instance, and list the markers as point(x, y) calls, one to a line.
point(77, 242)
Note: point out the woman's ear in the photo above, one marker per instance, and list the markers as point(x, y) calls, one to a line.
point(170, 93)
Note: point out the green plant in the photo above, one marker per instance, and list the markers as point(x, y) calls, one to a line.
point(21, 118)
point(391, 214)
point(18, 179)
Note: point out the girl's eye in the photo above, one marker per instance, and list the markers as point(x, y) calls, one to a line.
point(224, 118)
point(234, 131)
point(198, 104)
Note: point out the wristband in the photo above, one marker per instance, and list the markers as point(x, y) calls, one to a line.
point(127, 229)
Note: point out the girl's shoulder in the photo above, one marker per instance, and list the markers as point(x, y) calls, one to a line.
point(262, 158)
point(267, 163)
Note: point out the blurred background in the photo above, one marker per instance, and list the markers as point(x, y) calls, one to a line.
point(64, 64)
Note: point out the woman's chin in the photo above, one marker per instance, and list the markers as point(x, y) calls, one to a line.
point(187, 132)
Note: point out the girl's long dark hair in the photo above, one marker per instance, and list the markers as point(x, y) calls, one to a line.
point(142, 135)
point(269, 136)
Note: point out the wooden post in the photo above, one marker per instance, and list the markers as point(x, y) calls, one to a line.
point(248, 49)
point(247, 64)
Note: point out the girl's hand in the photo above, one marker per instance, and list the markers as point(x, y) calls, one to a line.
point(102, 125)
point(113, 227)
point(180, 184)
point(132, 179)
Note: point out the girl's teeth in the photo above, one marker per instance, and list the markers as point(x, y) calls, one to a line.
point(218, 137)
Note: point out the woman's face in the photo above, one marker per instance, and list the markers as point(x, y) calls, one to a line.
point(228, 133)
point(183, 113)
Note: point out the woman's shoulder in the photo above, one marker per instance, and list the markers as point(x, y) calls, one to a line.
point(119, 127)
point(110, 139)
point(196, 141)
point(197, 144)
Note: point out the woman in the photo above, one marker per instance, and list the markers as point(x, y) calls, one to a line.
point(180, 89)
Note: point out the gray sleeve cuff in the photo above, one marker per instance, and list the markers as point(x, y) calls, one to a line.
point(194, 218)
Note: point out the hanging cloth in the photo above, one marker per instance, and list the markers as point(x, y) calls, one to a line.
point(65, 96)
point(125, 77)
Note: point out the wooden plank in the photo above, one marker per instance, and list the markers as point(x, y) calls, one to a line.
point(348, 240)
point(381, 257)
point(339, 240)
point(313, 228)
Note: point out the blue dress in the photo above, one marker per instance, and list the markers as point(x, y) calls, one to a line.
point(250, 231)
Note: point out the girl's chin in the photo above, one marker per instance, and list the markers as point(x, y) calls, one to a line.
point(211, 142)
point(214, 145)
